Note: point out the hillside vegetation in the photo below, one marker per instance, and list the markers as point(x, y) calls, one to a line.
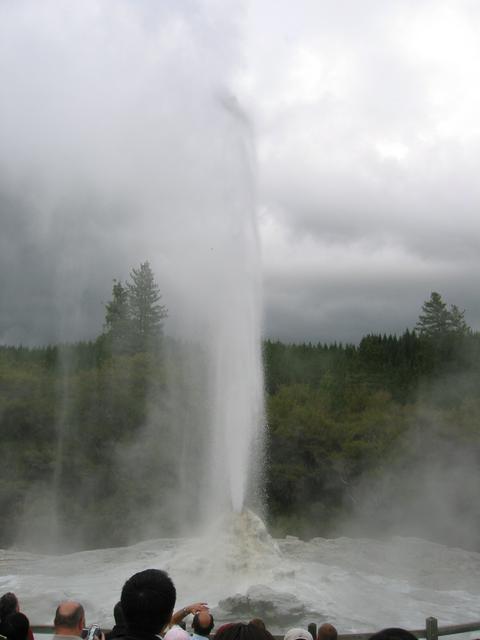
point(95, 435)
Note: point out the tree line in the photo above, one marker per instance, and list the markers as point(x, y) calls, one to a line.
point(92, 431)
point(355, 432)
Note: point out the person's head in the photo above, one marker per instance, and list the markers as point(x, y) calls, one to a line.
point(69, 618)
point(327, 632)
point(393, 633)
point(223, 627)
point(258, 622)
point(241, 631)
point(297, 633)
point(8, 605)
point(118, 615)
point(17, 626)
point(202, 623)
point(147, 600)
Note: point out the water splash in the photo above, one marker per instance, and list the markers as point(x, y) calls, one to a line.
point(242, 572)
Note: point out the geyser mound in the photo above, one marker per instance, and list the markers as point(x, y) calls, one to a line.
point(236, 550)
point(241, 541)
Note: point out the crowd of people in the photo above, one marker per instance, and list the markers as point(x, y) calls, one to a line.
point(146, 611)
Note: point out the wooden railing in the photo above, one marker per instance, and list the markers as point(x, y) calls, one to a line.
point(431, 631)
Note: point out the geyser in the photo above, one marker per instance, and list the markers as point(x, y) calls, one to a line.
point(237, 377)
point(217, 282)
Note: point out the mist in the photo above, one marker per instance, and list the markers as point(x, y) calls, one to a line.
point(122, 142)
point(427, 486)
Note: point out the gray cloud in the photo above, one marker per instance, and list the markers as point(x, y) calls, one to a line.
point(112, 124)
point(369, 148)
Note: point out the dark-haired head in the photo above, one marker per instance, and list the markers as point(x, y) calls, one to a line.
point(203, 623)
point(393, 633)
point(147, 601)
point(241, 631)
point(118, 614)
point(8, 605)
point(16, 626)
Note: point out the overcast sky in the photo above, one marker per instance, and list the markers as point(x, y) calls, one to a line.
point(365, 121)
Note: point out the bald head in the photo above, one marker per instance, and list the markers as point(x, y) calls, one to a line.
point(69, 618)
point(327, 632)
point(202, 623)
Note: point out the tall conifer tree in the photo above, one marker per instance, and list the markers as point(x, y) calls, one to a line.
point(117, 319)
point(134, 316)
point(434, 319)
point(145, 312)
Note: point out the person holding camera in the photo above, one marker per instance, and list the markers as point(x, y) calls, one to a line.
point(69, 623)
point(202, 625)
point(69, 620)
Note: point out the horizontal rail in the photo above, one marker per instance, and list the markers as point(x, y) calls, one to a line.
point(458, 628)
point(449, 630)
point(419, 633)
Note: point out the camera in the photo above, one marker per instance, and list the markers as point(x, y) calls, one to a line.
point(92, 633)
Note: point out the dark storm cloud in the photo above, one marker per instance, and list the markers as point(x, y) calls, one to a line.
point(344, 309)
point(325, 291)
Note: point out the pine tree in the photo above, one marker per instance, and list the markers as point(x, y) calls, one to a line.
point(117, 319)
point(434, 321)
point(456, 321)
point(145, 312)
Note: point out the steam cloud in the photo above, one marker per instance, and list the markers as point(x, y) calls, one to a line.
point(113, 140)
point(122, 142)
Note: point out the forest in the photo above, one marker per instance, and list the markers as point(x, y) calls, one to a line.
point(355, 434)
